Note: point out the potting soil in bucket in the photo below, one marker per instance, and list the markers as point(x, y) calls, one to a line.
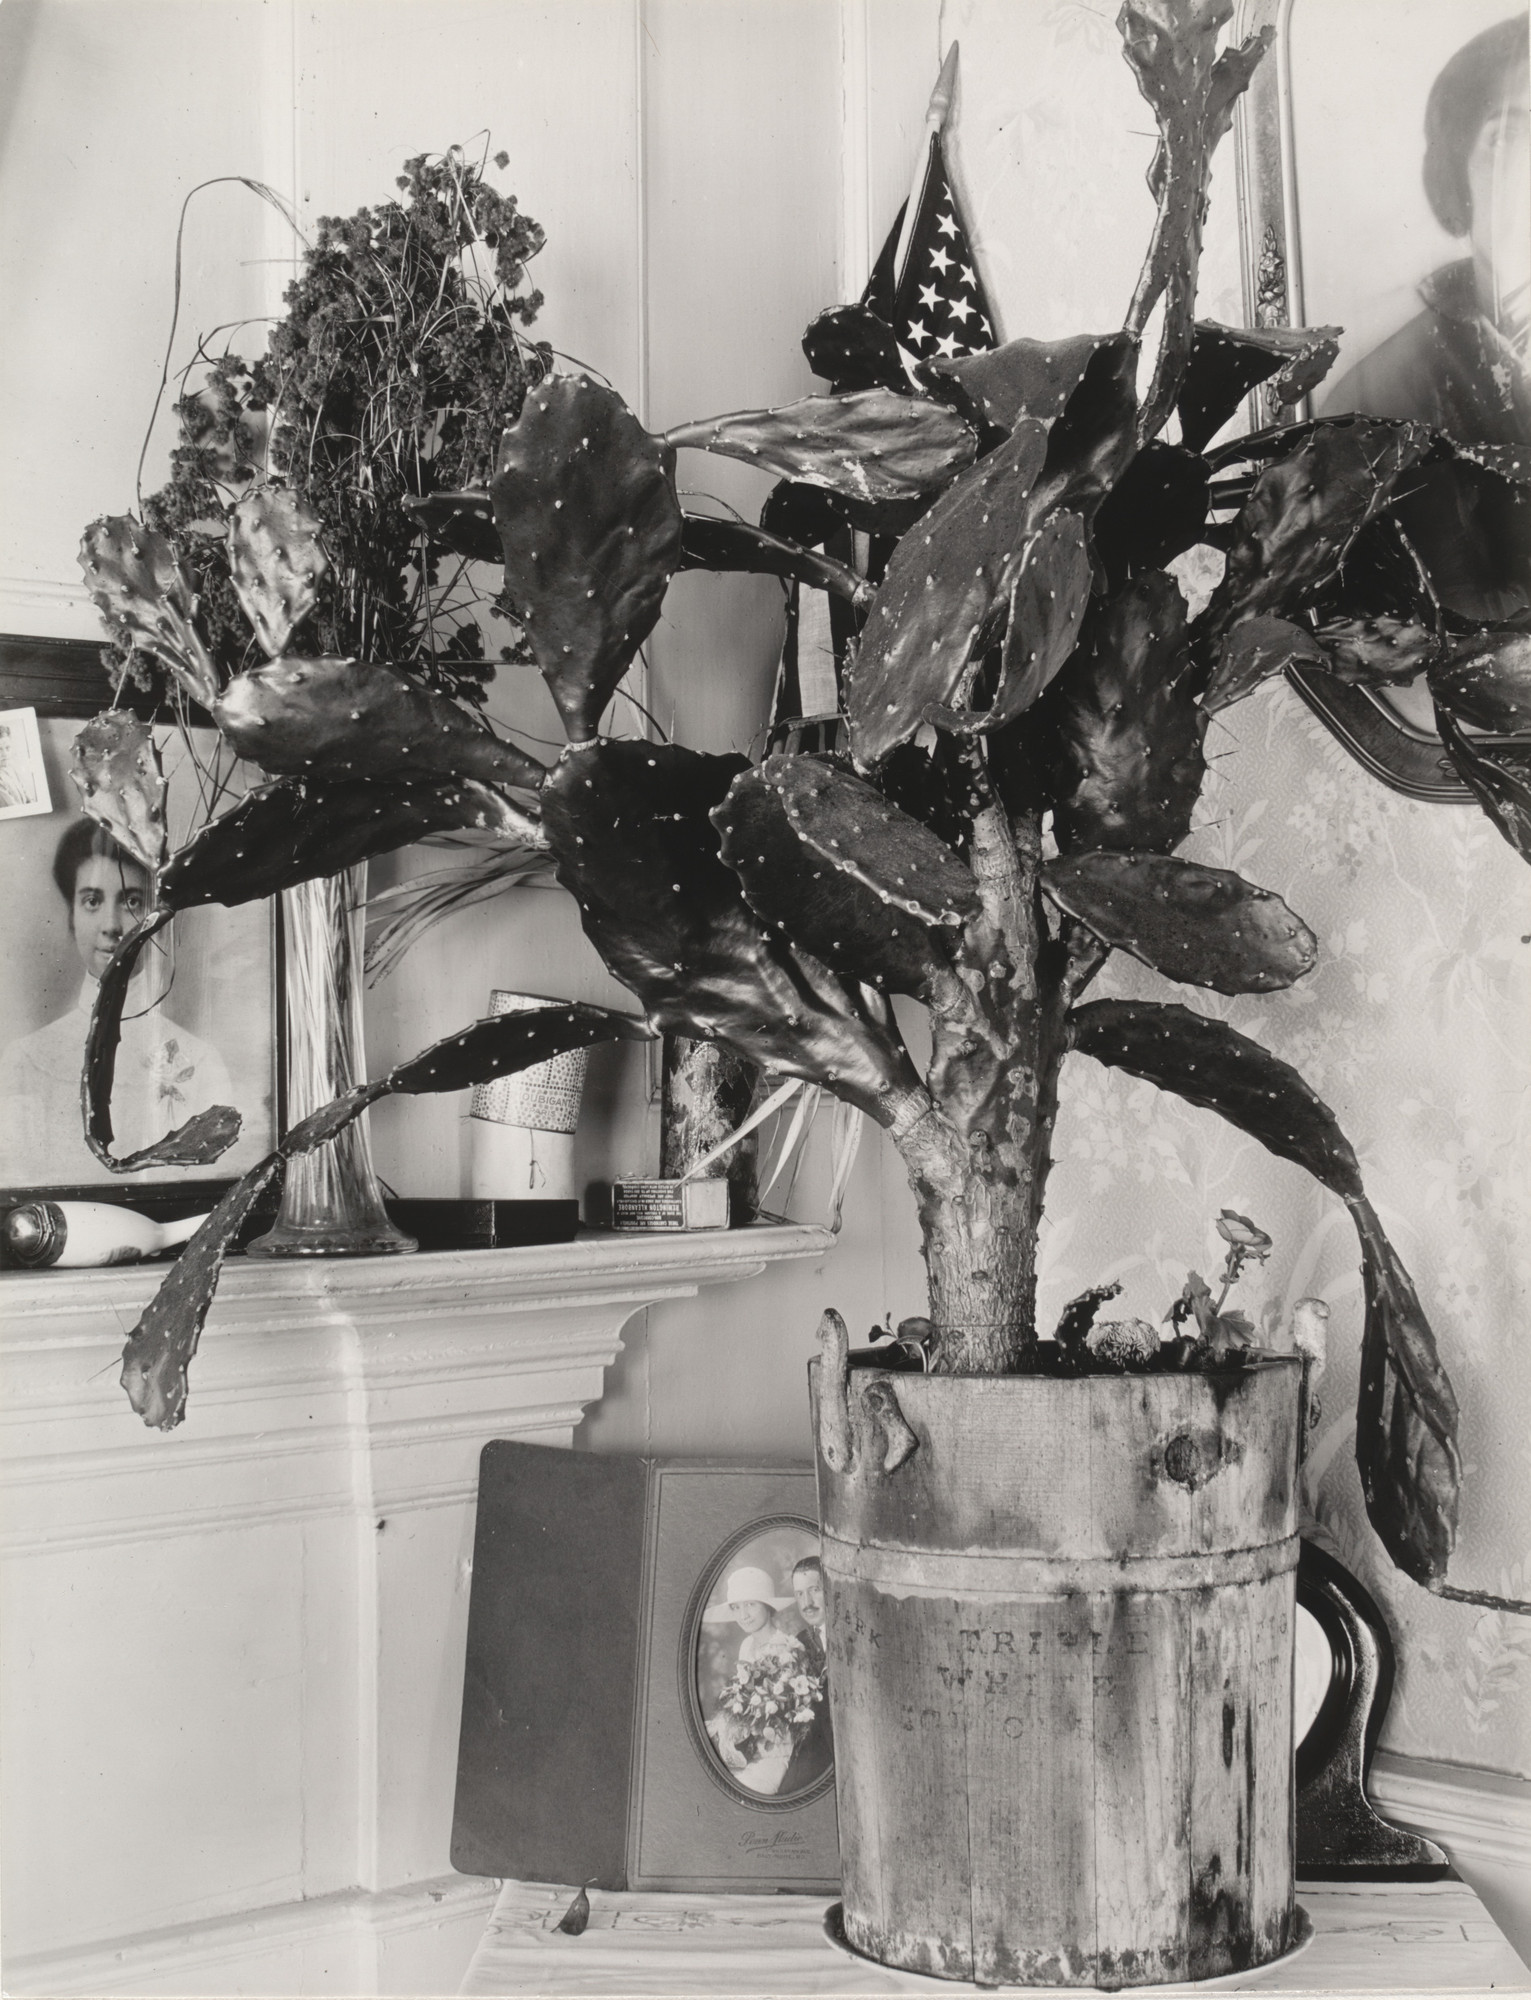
point(1060, 1656)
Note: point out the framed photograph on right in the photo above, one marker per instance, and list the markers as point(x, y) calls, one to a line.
point(1385, 189)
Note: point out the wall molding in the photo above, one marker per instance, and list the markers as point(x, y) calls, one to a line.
point(347, 1942)
point(1479, 1815)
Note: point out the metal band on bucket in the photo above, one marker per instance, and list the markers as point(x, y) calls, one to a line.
point(544, 1098)
point(917, 1572)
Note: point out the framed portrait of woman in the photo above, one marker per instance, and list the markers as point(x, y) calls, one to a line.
point(1385, 189)
point(200, 1024)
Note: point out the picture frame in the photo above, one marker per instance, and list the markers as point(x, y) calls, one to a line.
point(589, 1748)
point(1352, 258)
point(209, 1028)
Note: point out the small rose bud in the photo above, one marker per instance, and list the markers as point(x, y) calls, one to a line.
point(1240, 1231)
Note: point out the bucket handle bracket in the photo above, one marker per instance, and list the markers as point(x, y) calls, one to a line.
point(868, 1432)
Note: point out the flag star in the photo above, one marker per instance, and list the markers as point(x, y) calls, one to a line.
point(918, 330)
point(947, 344)
point(969, 277)
point(929, 296)
point(962, 309)
point(941, 261)
point(947, 224)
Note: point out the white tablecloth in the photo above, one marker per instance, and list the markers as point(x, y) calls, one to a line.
point(1413, 1938)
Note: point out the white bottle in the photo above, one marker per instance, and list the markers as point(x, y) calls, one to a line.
point(76, 1235)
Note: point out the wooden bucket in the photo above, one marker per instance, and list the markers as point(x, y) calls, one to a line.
point(1060, 1655)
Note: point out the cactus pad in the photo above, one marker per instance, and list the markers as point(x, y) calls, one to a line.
point(296, 829)
point(874, 445)
point(146, 598)
point(115, 768)
point(275, 562)
point(340, 719)
point(1203, 925)
point(724, 545)
point(629, 825)
point(1003, 386)
point(590, 533)
point(1487, 681)
point(198, 1142)
point(1227, 362)
point(800, 895)
point(1304, 512)
point(862, 834)
point(1118, 734)
point(933, 610)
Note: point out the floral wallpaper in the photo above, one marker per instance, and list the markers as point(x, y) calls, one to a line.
point(1414, 1024)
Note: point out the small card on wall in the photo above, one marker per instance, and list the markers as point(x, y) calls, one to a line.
point(631, 1622)
point(23, 780)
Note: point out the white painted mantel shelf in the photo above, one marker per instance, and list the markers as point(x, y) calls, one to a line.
point(244, 1639)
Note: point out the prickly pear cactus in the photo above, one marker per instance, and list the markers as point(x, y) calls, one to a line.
point(115, 768)
point(147, 600)
point(275, 562)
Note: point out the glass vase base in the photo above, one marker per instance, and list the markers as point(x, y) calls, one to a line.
point(297, 1240)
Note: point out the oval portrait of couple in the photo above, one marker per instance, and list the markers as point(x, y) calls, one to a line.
point(761, 1685)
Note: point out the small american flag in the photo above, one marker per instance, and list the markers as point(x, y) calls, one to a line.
point(923, 302)
point(933, 298)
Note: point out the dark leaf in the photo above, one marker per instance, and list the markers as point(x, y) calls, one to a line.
point(1119, 733)
point(1047, 607)
point(116, 771)
point(810, 514)
point(461, 522)
point(1204, 925)
point(198, 1142)
point(1500, 777)
point(945, 582)
point(295, 829)
point(629, 825)
point(1381, 577)
point(1155, 512)
point(275, 563)
point(864, 835)
point(160, 1347)
point(948, 581)
point(1227, 362)
point(1256, 650)
point(341, 719)
point(502, 1044)
point(1305, 510)
point(1078, 1316)
point(1210, 1064)
point(853, 348)
point(147, 600)
point(796, 892)
point(1406, 1416)
point(1486, 681)
point(876, 445)
point(576, 1917)
point(1171, 46)
point(590, 531)
point(734, 545)
point(1376, 652)
point(1003, 386)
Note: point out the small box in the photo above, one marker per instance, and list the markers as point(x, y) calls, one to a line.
point(484, 1225)
point(669, 1204)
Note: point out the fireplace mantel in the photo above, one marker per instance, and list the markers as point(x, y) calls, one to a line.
point(233, 1652)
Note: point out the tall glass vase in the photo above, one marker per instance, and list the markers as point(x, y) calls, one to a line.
point(331, 1203)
